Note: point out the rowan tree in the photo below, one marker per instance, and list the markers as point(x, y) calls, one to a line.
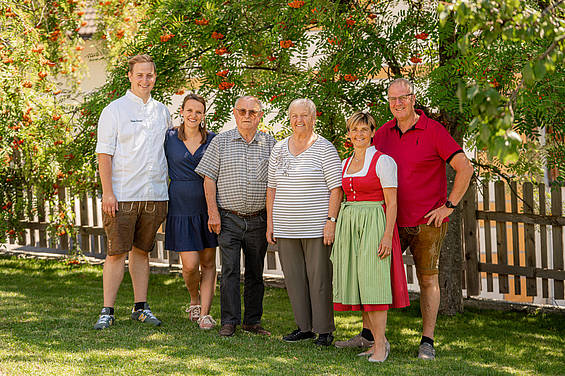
point(46, 141)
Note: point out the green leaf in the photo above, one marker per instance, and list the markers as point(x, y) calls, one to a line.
point(485, 132)
point(461, 94)
point(539, 69)
point(528, 74)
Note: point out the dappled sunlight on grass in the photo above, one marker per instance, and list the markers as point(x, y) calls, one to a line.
point(172, 280)
point(10, 294)
point(348, 324)
point(160, 336)
point(407, 332)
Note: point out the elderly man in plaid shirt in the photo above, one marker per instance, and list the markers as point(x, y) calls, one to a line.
point(234, 168)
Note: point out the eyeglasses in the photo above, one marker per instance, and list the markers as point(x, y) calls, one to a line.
point(400, 98)
point(243, 111)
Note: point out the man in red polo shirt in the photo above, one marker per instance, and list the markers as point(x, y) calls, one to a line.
point(421, 147)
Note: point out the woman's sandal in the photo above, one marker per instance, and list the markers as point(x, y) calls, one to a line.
point(369, 352)
point(194, 312)
point(387, 352)
point(206, 322)
point(365, 353)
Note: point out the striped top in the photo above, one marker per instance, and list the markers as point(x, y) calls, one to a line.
point(303, 185)
point(239, 170)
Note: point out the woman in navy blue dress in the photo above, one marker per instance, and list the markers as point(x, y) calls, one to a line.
point(187, 219)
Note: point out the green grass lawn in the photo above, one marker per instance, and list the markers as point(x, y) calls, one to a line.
point(47, 310)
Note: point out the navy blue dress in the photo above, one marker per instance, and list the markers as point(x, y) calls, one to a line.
point(187, 217)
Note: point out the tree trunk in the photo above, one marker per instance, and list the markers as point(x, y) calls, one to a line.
point(451, 257)
point(451, 261)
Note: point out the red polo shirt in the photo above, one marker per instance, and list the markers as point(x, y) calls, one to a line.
point(420, 154)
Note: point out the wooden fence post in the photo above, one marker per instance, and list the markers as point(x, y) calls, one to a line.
point(543, 240)
point(501, 240)
point(470, 243)
point(515, 236)
point(41, 219)
point(272, 257)
point(31, 215)
point(84, 236)
point(530, 239)
point(488, 237)
point(174, 257)
point(98, 242)
point(557, 231)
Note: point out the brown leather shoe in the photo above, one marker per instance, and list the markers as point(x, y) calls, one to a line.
point(357, 341)
point(256, 329)
point(227, 330)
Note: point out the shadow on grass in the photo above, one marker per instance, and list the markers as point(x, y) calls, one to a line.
point(47, 311)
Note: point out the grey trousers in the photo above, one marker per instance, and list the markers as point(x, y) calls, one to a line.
point(308, 277)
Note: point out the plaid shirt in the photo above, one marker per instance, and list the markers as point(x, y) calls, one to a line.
point(239, 169)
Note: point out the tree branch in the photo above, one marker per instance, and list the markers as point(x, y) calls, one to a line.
point(261, 68)
point(506, 178)
point(494, 169)
point(551, 8)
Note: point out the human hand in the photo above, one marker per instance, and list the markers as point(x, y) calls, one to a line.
point(270, 237)
point(437, 215)
point(109, 204)
point(329, 232)
point(385, 246)
point(214, 222)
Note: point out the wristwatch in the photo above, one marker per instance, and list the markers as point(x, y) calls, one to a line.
point(333, 219)
point(450, 205)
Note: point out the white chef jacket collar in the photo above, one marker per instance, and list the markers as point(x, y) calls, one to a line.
point(131, 96)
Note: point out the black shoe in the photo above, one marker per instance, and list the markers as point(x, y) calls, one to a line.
point(297, 335)
point(324, 339)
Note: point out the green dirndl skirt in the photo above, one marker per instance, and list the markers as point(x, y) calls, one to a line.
point(360, 276)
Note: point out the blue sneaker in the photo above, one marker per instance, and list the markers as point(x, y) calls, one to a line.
point(105, 319)
point(145, 315)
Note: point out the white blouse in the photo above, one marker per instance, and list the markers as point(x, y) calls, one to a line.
point(385, 168)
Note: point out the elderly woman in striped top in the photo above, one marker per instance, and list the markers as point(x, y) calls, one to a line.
point(303, 198)
point(368, 273)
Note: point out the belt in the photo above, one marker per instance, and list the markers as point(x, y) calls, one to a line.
point(242, 215)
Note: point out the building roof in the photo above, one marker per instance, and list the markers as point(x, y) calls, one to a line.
point(89, 17)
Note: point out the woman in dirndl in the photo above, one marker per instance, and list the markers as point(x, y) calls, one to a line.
point(368, 272)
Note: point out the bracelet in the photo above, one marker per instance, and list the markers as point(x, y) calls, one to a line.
point(333, 219)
